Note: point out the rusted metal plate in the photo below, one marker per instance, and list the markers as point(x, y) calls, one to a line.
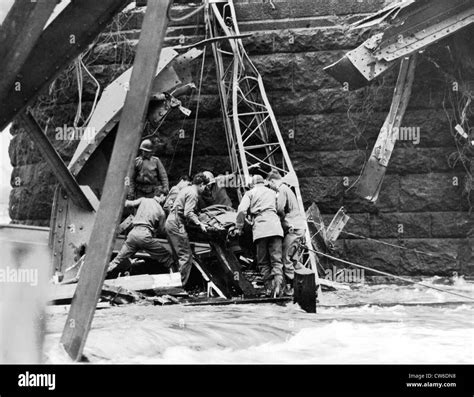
point(70, 231)
point(336, 226)
point(414, 26)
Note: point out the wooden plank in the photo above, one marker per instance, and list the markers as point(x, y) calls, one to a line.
point(162, 283)
point(232, 269)
point(304, 285)
point(18, 35)
point(60, 43)
point(239, 301)
point(110, 209)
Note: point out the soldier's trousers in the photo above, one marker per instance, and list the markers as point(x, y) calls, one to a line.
point(269, 257)
point(179, 241)
point(141, 239)
point(290, 245)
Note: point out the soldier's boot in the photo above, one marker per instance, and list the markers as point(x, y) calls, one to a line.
point(267, 288)
point(277, 286)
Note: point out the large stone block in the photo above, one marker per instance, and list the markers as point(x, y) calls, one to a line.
point(308, 70)
point(432, 256)
point(373, 254)
point(388, 200)
point(451, 224)
point(31, 202)
point(430, 192)
point(325, 191)
point(32, 174)
point(340, 163)
point(276, 70)
point(400, 225)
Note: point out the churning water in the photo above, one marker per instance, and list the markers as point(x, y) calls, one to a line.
point(373, 324)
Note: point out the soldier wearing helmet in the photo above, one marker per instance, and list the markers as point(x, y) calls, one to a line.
point(261, 203)
point(149, 178)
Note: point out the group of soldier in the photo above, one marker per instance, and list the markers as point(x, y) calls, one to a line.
point(269, 205)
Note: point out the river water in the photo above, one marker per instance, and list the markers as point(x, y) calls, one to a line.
point(388, 324)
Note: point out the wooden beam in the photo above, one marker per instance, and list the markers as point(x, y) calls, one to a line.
point(59, 168)
point(18, 35)
point(232, 269)
point(162, 283)
point(110, 209)
point(59, 44)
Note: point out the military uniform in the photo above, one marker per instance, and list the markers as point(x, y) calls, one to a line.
point(261, 203)
point(184, 211)
point(171, 198)
point(216, 192)
point(294, 225)
point(149, 178)
point(149, 219)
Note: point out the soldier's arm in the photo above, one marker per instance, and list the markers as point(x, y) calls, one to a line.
point(131, 181)
point(163, 176)
point(190, 205)
point(242, 212)
point(133, 203)
point(281, 200)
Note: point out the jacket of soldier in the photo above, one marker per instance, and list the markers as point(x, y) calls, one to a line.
point(185, 206)
point(149, 214)
point(171, 198)
point(291, 215)
point(149, 175)
point(261, 203)
point(216, 193)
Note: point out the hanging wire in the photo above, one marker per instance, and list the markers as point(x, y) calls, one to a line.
point(184, 17)
point(97, 92)
point(433, 254)
point(197, 109)
point(79, 91)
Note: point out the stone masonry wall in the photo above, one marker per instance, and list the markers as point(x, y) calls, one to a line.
point(424, 203)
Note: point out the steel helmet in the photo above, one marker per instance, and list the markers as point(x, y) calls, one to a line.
point(146, 146)
point(256, 179)
point(209, 175)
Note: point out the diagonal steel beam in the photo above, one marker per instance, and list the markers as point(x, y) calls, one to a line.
point(415, 25)
point(59, 168)
point(61, 42)
point(373, 174)
point(18, 35)
point(110, 209)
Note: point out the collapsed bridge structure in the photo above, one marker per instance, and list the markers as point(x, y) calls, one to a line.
point(82, 221)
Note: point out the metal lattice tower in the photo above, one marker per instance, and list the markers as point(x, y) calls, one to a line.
point(252, 132)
